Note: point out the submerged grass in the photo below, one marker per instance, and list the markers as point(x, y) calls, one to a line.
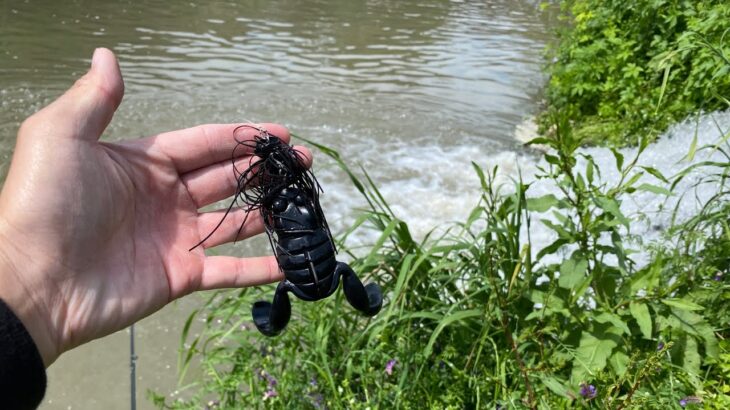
point(471, 321)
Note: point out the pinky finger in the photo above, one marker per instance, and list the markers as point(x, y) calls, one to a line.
point(231, 272)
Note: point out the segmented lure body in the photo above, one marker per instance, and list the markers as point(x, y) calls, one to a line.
point(303, 247)
point(287, 195)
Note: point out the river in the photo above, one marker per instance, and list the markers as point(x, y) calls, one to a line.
point(412, 91)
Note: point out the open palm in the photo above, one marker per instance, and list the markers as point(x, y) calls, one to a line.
point(97, 235)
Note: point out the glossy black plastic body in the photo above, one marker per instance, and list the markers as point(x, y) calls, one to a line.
point(286, 193)
point(306, 255)
point(303, 247)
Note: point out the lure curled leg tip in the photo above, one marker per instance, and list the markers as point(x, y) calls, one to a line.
point(367, 299)
point(261, 311)
point(375, 298)
point(271, 318)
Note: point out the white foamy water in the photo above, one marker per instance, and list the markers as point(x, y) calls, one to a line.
point(436, 185)
point(651, 214)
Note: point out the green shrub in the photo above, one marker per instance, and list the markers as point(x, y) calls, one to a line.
point(627, 68)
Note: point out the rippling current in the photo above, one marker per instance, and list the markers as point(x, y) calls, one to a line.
point(412, 91)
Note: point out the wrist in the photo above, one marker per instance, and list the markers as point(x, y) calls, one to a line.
point(25, 297)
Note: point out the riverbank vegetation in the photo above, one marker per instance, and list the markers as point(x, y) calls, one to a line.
point(624, 69)
point(480, 315)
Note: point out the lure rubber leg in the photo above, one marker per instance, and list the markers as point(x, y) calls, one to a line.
point(271, 318)
point(367, 299)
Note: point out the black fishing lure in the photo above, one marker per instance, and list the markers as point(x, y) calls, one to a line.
point(287, 195)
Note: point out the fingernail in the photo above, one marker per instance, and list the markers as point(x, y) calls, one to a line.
point(95, 58)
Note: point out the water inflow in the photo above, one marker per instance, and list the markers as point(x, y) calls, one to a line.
point(651, 213)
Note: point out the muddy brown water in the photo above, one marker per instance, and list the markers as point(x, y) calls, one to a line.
point(413, 91)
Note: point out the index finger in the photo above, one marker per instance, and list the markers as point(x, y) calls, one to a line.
point(200, 146)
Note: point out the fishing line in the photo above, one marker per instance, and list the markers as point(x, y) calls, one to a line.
point(132, 371)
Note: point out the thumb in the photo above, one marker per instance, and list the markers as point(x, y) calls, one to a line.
point(84, 111)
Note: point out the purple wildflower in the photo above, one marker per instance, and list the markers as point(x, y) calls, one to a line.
point(718, 276)
point(389, 366)
point(588, 391)
point(660, 346)
point(689, 400)
point(317, 400)
point(270, 393)
point(270, 380)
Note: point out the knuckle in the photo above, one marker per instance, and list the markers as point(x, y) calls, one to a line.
point(30, 125)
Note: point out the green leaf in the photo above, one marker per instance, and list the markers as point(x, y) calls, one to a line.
point(692, 148)
point(559, 229)
point(619, 361)
point(555, 385)
point(581, 288)
point(663, 88)
point(640, 312)
point(572, 273)
point(474, 215)
point(634, 177)
point(454, 317)
point(654, 189)
point(589, 171)
point(552, 159)
point(613, 319)
point(591, 356)
point(696, 325)
point(541, 140)
point(536, 314)
point(185, 355)
point(543, 203)
point(611, 206)
point(481, 175)
point(647, 278)
point(619, 159)
point(683, 304)
point(656, 173)
point(552, 248)
point(691, 358)
point(551, 301)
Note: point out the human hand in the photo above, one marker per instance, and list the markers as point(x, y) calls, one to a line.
point(95, 236)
